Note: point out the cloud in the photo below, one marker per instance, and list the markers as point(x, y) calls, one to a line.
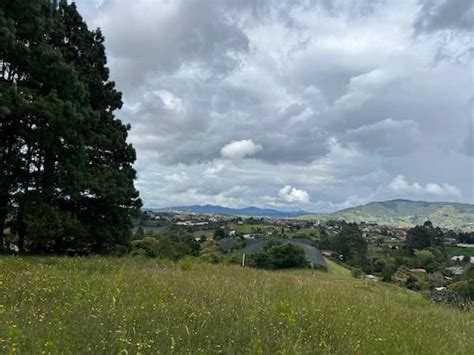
point(388, 137)
point(291, 194)
point(334, 97)
point(176, 177)
point(469, 144)
point(400, 185)
point(240, 149)
point(445, 14)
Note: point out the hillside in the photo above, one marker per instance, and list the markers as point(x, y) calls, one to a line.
point(129, 306)
point(247, 211)
point(406, 213)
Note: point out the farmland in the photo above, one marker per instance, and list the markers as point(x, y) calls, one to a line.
point(454, 250)
point(135, 305)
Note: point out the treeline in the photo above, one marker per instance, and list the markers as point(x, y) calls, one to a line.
point(66, 176)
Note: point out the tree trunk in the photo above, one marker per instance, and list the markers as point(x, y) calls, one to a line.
point(3, 219)
point(21, 229)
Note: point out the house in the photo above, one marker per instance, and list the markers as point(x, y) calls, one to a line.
point(232, 233)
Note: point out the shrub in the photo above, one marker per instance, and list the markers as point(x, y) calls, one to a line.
point(147, 246)
point(356, 272)
point(219, 234)
point(280, 256)
point(186, 263)
point(211, 251)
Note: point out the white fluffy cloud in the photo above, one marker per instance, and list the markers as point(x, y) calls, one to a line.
point(291, 194)
point(179, 177)
point(240, 149)
point(401, 186)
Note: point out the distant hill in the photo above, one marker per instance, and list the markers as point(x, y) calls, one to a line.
point(406, 213)
point(247, 211)
point(403, 213)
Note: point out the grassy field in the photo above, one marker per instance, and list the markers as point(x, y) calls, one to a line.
point(454, 251)
point(122, 305)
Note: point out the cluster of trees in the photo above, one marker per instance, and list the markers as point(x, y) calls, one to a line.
point(66, 176)
point(466, 237)
point(349, 244)
point(174, 246)
point(165, 247)
point(425, 236)
point(424, 248)
point(277, 255)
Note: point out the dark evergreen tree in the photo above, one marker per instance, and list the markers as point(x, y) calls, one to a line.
point(350, 243)
point(66, 167)
point(425, 236)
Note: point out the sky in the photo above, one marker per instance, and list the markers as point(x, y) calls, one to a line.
point(315, 105)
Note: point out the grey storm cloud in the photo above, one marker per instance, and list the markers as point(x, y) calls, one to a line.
point(294, 104)
point(445, 14)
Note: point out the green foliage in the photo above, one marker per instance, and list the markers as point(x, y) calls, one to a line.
point(186, 263)
point(148, 246)
point(211, 251)
point(350, 243)
point(162, 247)
point(279, 256)
point(140, 233)
point(356, 272)
point(387, 267)
point(219, 234)
point(424, 257)
point(464, 286)
point(62, 151)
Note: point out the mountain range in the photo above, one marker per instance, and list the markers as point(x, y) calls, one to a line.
point(247, 211)
point(403, 213)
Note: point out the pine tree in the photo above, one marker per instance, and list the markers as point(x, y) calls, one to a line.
point(66, 168)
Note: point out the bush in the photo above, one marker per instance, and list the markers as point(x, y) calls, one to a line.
point(356, 272)
point(211, 251)
point(280, 256)
point(219, 234)
point(147, 246)
point(186, 263)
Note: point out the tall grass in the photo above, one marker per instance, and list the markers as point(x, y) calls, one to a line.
point(112, 305)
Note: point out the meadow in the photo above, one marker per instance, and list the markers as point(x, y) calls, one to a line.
point(124, 305)
point(454, 251)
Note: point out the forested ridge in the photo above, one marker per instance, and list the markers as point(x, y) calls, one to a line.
point(66, 174)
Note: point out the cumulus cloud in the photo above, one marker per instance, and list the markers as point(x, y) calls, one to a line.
point(176, 177)
point(291, 194)
point(400, 185)
point(240, 149)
